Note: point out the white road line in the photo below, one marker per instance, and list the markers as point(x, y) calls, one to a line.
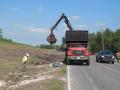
point(91, 80)
point(68, 73)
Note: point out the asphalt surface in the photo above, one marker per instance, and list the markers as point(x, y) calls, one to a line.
point(97, 76)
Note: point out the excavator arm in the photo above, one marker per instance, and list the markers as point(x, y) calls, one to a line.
point(65, 20)
point(51, 38)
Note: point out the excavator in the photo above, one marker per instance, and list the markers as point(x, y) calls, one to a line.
point(51, 38)
point(75, 40)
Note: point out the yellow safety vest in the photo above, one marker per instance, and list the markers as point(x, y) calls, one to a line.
point(25, 59)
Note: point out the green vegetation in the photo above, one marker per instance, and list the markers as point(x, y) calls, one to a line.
point(111, 40)
point(11, 66)
point(45, 46)
point(1, 33)
point(48, 84)
point(54, 84)
point(57, 82)
point(63, 70)
point(57, 47)
point(8, 66)
point(2, 39)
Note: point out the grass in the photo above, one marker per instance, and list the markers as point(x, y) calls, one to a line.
point(10, 63)
point(54, 84)
point(48, 84)
point(6, 67)
point(63, 70)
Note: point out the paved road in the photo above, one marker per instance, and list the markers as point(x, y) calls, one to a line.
point(97, 76)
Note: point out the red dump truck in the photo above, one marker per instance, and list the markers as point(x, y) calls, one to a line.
point(76, 44)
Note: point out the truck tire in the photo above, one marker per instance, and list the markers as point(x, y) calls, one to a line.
point(88, 63)
point(96, 60)
point(99, 61)
point(113, 62)
point(65, 60)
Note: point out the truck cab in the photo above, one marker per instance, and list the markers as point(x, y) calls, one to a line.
point(77, 54)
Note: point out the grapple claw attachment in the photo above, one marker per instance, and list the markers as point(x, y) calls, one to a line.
point(51, 39)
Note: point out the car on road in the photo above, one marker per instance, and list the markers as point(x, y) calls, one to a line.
point(105, 56)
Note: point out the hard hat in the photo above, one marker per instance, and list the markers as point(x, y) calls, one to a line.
point(27, 54)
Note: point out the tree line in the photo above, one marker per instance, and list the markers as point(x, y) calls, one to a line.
point(4, 39)
point(106, 39)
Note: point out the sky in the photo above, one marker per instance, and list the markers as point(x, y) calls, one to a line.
point(29, 21)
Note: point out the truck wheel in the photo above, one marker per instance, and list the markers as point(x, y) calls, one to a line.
point(96, 60)
point(99, 61)
point(65, 60)
point(112, 62)
point(87, 63)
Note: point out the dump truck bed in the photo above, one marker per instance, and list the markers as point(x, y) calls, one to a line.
point(76, 36)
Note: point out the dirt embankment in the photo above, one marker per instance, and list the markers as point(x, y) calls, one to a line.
point(38, 64)
point(16, 52)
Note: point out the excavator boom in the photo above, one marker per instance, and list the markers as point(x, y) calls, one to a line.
point(65, 20)
point(51, 38)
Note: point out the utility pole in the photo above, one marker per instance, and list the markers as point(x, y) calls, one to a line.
point(103, 46)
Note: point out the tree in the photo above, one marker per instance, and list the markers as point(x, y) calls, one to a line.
point(92, 42)
point(1, 33)
point(108, 38)
point(63, 40)
point(111, 40)
point(116, 40)
point(98, 39)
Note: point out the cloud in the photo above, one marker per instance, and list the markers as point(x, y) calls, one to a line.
point(37, 30)
point(75, 17)
point(31, 28)
point(82, 27)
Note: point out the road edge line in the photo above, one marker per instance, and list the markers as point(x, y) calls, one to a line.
point(68, 75)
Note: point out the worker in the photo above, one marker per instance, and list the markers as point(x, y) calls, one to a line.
point(25, 58)
point(24, 61)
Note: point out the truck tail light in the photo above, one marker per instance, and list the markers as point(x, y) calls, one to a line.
point(69, 53)
point(87, 53)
